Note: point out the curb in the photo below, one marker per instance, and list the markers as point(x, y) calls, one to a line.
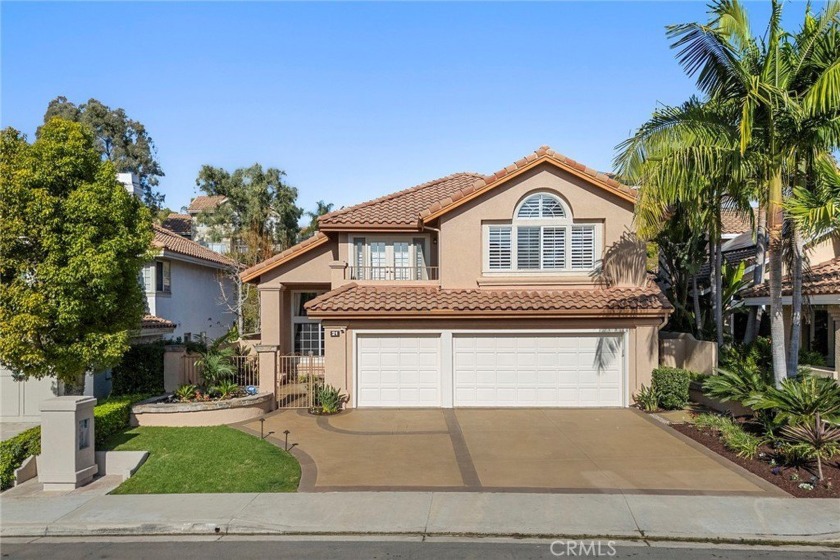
point(222, 529)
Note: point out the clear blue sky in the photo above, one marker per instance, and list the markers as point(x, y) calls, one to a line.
point(352, 100)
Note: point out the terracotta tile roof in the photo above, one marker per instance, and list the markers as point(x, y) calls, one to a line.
point(150, 322)
point(399, 209)
point(165, 239)
point(544, 153)
point(310, 243)
point(822, 279)
point(735, 222)
point(178, 223)
point(388, 301)
point(406, 209)
point(203, 202)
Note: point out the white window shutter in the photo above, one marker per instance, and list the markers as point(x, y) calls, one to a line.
point(499, 248)
point(554, 247)
point(528, 248)
point(583, 247)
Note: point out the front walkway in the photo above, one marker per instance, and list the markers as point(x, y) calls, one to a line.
point(511, 450)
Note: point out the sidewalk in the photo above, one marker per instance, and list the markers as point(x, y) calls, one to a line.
point(699, 518)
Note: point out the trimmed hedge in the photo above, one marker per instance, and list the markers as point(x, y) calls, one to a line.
point(671, 385)
point(110, 417)
point(140, 371)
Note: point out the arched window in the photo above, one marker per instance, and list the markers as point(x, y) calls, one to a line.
point(541, 237)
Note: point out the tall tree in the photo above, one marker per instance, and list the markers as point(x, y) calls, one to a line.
point(72, 244)
point(322, 208)
point(260, 216)
point(119, 138)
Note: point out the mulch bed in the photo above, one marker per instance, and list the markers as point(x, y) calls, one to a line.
point(828, 488)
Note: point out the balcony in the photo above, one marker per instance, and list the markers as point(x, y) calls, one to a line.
point(392, 273)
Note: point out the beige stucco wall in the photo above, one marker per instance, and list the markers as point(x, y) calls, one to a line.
point(825, 251)
point(309, 268)
point(461, 245)
point(642, 352)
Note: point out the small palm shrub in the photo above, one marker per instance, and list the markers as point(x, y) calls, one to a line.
point(671, 387)
point(734, 385)
point(647, 399)
point(216, 366)
point(185, 393)
point(225, 389)
point(800, 399)
point(818, 441)
point(328, 399)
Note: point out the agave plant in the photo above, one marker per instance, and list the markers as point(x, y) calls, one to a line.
point(798, 400)
point(329, 399)
point(817, 441)
point(647, 399)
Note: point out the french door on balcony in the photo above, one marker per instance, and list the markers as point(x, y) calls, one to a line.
point(390, 259)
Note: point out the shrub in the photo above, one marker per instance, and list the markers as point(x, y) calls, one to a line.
point(800, 399)
point(734, 385)
point(185, 393)
point(225, 389)
point(646, 399)
point(140, 371)
point(811, 358)
point(671, 385)
point(328, 399)
point(755, 358)
point(818, 441)
point(109, 418)
point(14, 451)
point(734, 437)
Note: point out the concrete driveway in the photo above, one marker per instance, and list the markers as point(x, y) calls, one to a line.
point(544, 450)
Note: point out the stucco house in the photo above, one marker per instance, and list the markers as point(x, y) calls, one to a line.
point(521, 288)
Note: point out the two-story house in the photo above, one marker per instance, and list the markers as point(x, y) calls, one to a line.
point(520, 288)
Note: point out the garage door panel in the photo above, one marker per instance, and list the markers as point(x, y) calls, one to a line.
point(398, 370)
point(537, 370)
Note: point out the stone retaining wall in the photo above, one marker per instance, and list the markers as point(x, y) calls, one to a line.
point(153, 412)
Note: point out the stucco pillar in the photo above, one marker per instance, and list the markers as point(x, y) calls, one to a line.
point(267, 354)
point(338, 274)
point(173, 366)
point(67, 458)
point(270, 315)
point(335, 356)
point(834, 314)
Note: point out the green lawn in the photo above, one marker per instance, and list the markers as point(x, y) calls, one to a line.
point(211, 459)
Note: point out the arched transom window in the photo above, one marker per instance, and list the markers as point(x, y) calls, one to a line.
point(541, 237)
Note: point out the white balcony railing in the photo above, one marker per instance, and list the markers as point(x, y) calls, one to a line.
point(393, 273)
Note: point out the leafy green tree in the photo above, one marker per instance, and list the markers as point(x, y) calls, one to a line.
point(72, 244)
point(321, 209)
point(120, 139)
point(260, 216)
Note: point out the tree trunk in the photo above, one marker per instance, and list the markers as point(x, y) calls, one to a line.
point(698, 321)
point(718, 292)
point(796, 304)
point(777, 324)
point(754, 320)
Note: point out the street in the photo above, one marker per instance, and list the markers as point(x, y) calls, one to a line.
point(403, 548)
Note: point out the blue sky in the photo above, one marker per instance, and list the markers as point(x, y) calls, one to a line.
point(352, 100)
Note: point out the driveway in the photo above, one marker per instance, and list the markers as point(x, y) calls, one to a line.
point(544, 450)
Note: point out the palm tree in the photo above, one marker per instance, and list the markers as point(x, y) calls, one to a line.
point(321, 209)
point(762, 87)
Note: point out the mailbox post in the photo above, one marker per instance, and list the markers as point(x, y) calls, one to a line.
point(67, 458)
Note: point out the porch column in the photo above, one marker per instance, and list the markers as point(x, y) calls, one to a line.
point(268, 369)
point(338, 276)
point(270, 314)
point(173, 366)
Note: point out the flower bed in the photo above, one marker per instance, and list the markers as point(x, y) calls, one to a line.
point(788, 478)
point(161, 411)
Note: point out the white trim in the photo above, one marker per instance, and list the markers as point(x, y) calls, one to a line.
point(446, 396)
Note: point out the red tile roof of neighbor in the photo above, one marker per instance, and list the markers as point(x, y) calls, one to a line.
point(204, 202)
point(391, 300)
point(822, 279)
point(150, 322)
point(165, 239)
point(178, 223)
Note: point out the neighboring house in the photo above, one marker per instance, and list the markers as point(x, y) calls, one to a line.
point(179, 223)
point(520, 288)
point(186, 288)
point(201, 233)
point(821, 306)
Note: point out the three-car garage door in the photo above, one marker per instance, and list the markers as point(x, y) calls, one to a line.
point(490, 370)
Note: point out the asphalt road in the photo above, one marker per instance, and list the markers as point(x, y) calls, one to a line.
point(381, 550)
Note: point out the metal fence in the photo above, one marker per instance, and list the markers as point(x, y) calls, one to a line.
point(247, 370)
point(405, 273)
point(298, 377)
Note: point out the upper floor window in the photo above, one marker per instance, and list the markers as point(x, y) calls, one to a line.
point(163, 276)
point(541, 237)
point(390, 259)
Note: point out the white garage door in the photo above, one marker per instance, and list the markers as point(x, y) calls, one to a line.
point(537, 370)
point(398, 370)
